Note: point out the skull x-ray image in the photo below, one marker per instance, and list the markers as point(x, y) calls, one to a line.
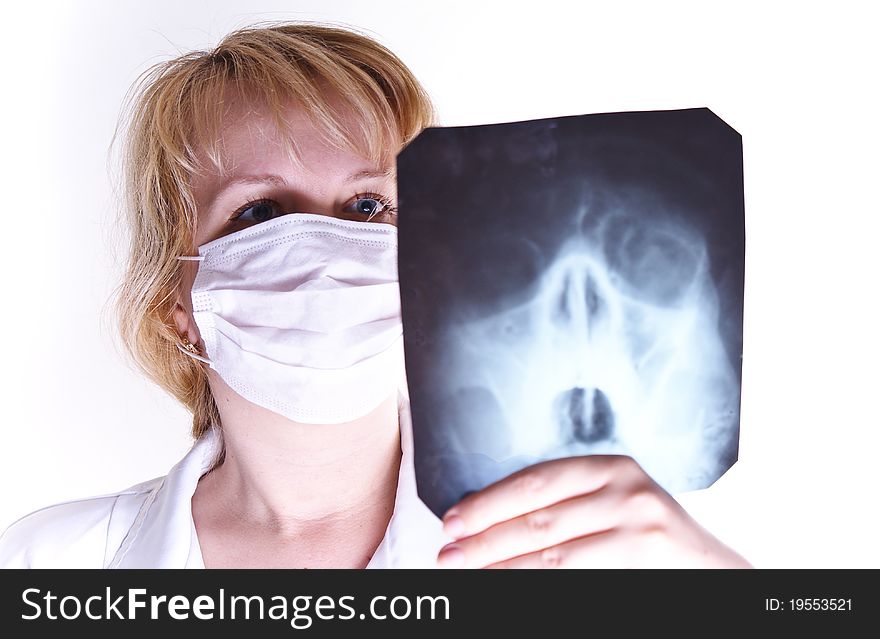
point(573, 286)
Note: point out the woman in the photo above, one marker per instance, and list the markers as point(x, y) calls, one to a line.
point(261, 292)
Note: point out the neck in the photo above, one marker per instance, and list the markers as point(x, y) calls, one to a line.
point(287, 475)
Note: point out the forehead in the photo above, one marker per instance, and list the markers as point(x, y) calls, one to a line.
point(250, 128)
point(249, 136)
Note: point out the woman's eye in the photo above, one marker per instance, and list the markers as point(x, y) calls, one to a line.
point(371, 206)
point(256, 212)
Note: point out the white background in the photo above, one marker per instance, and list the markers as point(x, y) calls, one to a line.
point(797, 80)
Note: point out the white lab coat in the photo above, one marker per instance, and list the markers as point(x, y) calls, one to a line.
point(150, 525)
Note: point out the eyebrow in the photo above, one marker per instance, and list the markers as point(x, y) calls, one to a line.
point(361, 175)
point(274, 180)
point(277, 180)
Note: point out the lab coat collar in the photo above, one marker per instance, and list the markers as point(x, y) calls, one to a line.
point(163, 534)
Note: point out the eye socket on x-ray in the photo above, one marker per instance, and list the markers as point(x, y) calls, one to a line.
point(657, 264)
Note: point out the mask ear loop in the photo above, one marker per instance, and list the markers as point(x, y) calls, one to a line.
point(193, 355)
point(186, 351)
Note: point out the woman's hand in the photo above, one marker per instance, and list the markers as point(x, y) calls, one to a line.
point(598, 511)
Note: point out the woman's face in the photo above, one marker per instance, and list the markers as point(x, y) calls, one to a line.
point(263, 183)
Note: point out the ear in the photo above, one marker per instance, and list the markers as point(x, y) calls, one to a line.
point(183, 313)
point(183, 320)
point(186, 325)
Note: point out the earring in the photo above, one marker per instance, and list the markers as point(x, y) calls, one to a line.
point(190, 347)
point(191, 350)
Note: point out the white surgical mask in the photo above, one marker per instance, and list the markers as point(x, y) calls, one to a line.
point(301, 315)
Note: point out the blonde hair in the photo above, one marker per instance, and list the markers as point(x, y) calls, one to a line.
point(172, 121)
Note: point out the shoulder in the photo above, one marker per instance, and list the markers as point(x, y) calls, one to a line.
point(77, 534)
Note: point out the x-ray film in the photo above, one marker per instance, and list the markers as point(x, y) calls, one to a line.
point(573, 286)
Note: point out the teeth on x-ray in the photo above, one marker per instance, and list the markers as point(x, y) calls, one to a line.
point(570, 301)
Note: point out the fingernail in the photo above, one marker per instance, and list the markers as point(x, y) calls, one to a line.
point(451, 556)
point(453, 525)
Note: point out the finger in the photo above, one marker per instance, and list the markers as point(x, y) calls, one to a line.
point(542, 528)
point(601, 550)
point(530, 489)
